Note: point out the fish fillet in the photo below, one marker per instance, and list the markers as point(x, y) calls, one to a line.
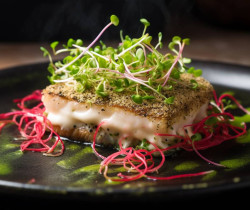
point(76, 115)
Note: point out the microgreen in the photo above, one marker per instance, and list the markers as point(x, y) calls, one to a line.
point(169, 100)
point(53, 45)
point(195, 72)
point(135, 66)
point(45, 52)
point(137, 99)
point(159, 40)
point(145, 23)
point(196, 137)
point(114, 19)
point(194, 83)
point(143, 145)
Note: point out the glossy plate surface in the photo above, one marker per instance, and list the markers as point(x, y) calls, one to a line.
point(74, 175)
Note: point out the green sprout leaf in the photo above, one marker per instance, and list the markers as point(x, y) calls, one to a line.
point(140, 55)
point(53, 45)
point(169, 100)
point(160, 39)
point(114, 19)
point(194, 83)
point(145, 22)
point(45, 52)
point(186, 41)
point(137, 99)
point(159, 88)
point(119, 90)
point(143, 145)
point(148, 40)
point(104, 47)
point(102, 93)
point(79, 42)
point(196, 73)
point(169, 87)
point(176, 39)
point(196, 137)
point(70, 42)
point(171, 46)
point(186, 60)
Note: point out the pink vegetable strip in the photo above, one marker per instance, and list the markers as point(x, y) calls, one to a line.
point(33, 125)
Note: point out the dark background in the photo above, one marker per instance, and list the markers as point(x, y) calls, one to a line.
point(46, 20)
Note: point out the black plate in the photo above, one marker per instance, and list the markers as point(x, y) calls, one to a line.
point(74, 175)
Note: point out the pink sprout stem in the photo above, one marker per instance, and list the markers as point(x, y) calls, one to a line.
point(166, 77)
point(87, 48)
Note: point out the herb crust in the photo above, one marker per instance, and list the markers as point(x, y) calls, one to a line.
point(186, 99)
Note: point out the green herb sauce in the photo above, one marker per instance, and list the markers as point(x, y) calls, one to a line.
point(186, 165)
point(72, 161)
point(5, 168)
point(87, 169)
point(245, 138)
point(235, 163)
